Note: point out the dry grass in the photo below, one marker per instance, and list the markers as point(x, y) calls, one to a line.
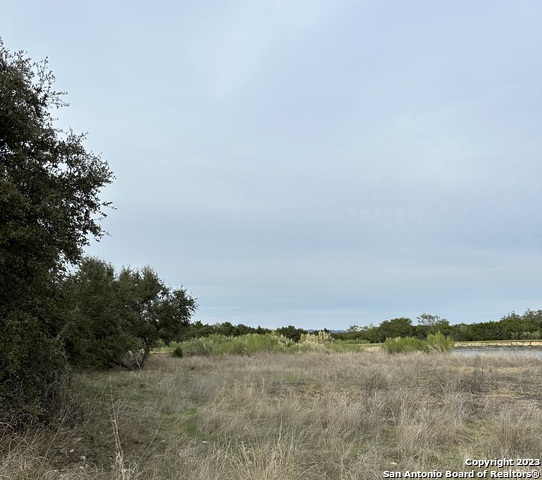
point(276, 416)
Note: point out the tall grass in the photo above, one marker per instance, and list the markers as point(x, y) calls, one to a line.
point(249, 344)
point(440, 342)
point(434, 343)
point(253, 343)
point(310, 415)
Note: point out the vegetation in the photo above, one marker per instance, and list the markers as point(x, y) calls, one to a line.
point(52, 320)
point(314, 415)
point(434, 343)
point(49, 206)
point(440, 342)
point(254, 343)
point(405, 345)
point(509, 327)
point(191, 414)
point(119, 318)
point(249, 344)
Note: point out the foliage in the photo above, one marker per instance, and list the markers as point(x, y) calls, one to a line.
point(405, 345)
point(397, 327)
point(252, 343)
point(322, 337)
point(440, 342)
point(434, 343)
point(156, 312)
point(49, 206)
point(178, 352)
point(509, 327)
point(291, 332)
point(98, 331)
point(198, 329)
point(430, 324)
point(320, 341)
point(242, 345)
point(119, 318)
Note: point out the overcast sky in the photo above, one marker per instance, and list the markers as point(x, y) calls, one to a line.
point(319, 163)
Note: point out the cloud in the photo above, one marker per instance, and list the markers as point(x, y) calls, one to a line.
point(322, 165)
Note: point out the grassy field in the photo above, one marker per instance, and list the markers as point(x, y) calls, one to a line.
point(283, 416)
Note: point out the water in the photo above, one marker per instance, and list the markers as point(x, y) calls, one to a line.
point(527, 351)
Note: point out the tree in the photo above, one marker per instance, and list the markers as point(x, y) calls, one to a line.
point(157, 313)
point(396, 327)
point(431, 324)
point(292, 332)
point(97, 330)
point(49, 206)
point(117, 319)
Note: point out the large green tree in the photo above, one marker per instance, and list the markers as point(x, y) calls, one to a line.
point(396, 327)
point(96, 330)
point(117, 319)
point(49, 207)
point(157, 313)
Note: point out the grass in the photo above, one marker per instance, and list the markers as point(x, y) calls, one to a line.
point(314, 415)
point(251, 344)
point(434, 343)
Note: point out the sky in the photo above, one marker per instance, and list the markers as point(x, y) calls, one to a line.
point(315, 163)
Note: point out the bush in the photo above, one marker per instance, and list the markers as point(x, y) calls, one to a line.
point(178, 352)
point(320, 341)
point(405, 345)
point(434, 343)
point(440, 342)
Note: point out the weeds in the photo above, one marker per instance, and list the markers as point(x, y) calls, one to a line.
point(314, 415)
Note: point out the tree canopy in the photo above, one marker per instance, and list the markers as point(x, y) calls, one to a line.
point(49, 207)
point(118, 318)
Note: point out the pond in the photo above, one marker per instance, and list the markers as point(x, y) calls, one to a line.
point(536, 351)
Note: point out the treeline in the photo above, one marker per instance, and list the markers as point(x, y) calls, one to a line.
point(198, 329)
point(509, 327)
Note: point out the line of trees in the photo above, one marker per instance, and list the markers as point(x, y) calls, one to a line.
point(198, 329)
point(510, 327)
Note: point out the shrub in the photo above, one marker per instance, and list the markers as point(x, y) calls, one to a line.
point(310, 342)
point(178, 352)
point(404, 345)
point(440, 342)
point(434, 343)
point(322, 337)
